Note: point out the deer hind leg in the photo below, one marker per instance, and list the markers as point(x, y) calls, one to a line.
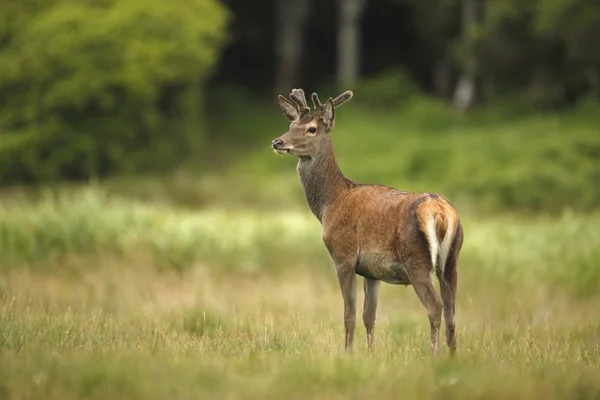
point(448, 286)
point(422, 283)
point(371, 288)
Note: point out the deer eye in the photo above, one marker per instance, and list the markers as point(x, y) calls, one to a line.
point(312, 129)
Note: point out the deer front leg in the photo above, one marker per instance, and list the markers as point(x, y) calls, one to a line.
point(347, 279)
point(371, 287)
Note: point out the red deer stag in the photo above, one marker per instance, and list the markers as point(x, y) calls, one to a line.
point(378, 232)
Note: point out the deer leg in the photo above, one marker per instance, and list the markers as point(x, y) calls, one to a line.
point(448, 286)
point(347, 280)
point(422, 282)
point(371, 287)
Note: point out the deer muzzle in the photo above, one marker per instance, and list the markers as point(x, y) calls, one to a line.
point(280, 147)
point(277, 143)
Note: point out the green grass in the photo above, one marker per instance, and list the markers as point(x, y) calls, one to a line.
point(93, 222)
point(488, 161)
point(103, 297)
point(485, 161)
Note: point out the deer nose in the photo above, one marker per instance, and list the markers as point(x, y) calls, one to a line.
point(277, 143)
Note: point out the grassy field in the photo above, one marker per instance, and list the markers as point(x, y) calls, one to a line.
point(213, 282)
point(106, 298)
point(486, 162)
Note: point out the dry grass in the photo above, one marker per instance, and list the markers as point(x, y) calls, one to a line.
point(120, 323)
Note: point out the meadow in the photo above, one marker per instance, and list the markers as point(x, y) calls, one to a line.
point(103, 297)
point(217, 285)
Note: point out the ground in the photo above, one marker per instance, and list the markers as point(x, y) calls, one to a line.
point(103, 298)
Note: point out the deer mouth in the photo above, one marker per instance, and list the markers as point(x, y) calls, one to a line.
point(283, 150)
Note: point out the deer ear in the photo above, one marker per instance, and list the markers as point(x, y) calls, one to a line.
point(289, 109)
point(328, 114)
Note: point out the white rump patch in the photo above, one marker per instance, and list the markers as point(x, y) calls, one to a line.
point(434, 243)
point(445, 246)
point(439, 247)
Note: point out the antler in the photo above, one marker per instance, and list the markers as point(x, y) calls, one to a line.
point(342, 98)
point(338, 101)
point(299, 98)
point(316, 102)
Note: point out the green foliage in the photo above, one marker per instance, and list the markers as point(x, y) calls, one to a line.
point(386, 91)
point(438, 23)
point(543, 52)
point(493, 159)
point(105, 86)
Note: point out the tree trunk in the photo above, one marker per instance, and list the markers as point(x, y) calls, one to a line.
point(348, 40)
point(291, 18)
point(466, 89)
point(442, 78)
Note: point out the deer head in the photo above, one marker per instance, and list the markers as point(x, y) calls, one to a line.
point(307, 131)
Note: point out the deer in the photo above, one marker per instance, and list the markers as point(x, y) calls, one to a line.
point(374, 231)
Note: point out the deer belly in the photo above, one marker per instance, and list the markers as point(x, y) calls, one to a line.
point(384, 266)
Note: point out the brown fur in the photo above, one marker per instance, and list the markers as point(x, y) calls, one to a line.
point(371, 230)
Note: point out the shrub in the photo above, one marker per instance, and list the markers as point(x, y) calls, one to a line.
point(388, 90)
point(102, 86)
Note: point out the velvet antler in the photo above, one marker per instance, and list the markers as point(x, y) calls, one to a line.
point(338, 101)
point(299, 98)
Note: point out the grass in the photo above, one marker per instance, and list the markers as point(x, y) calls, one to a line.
point(103, 297)
point(487, 161)
point(484, 163)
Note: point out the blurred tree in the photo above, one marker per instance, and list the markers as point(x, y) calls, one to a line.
point(540, 51)
point(289, 40)
point(438, 24)
point(99, 86)
point(90, 88)
point(544, 51)
point(249, 58)
point(348, 40)
point(466, 90)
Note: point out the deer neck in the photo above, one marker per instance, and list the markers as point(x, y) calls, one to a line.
point(321, 179)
